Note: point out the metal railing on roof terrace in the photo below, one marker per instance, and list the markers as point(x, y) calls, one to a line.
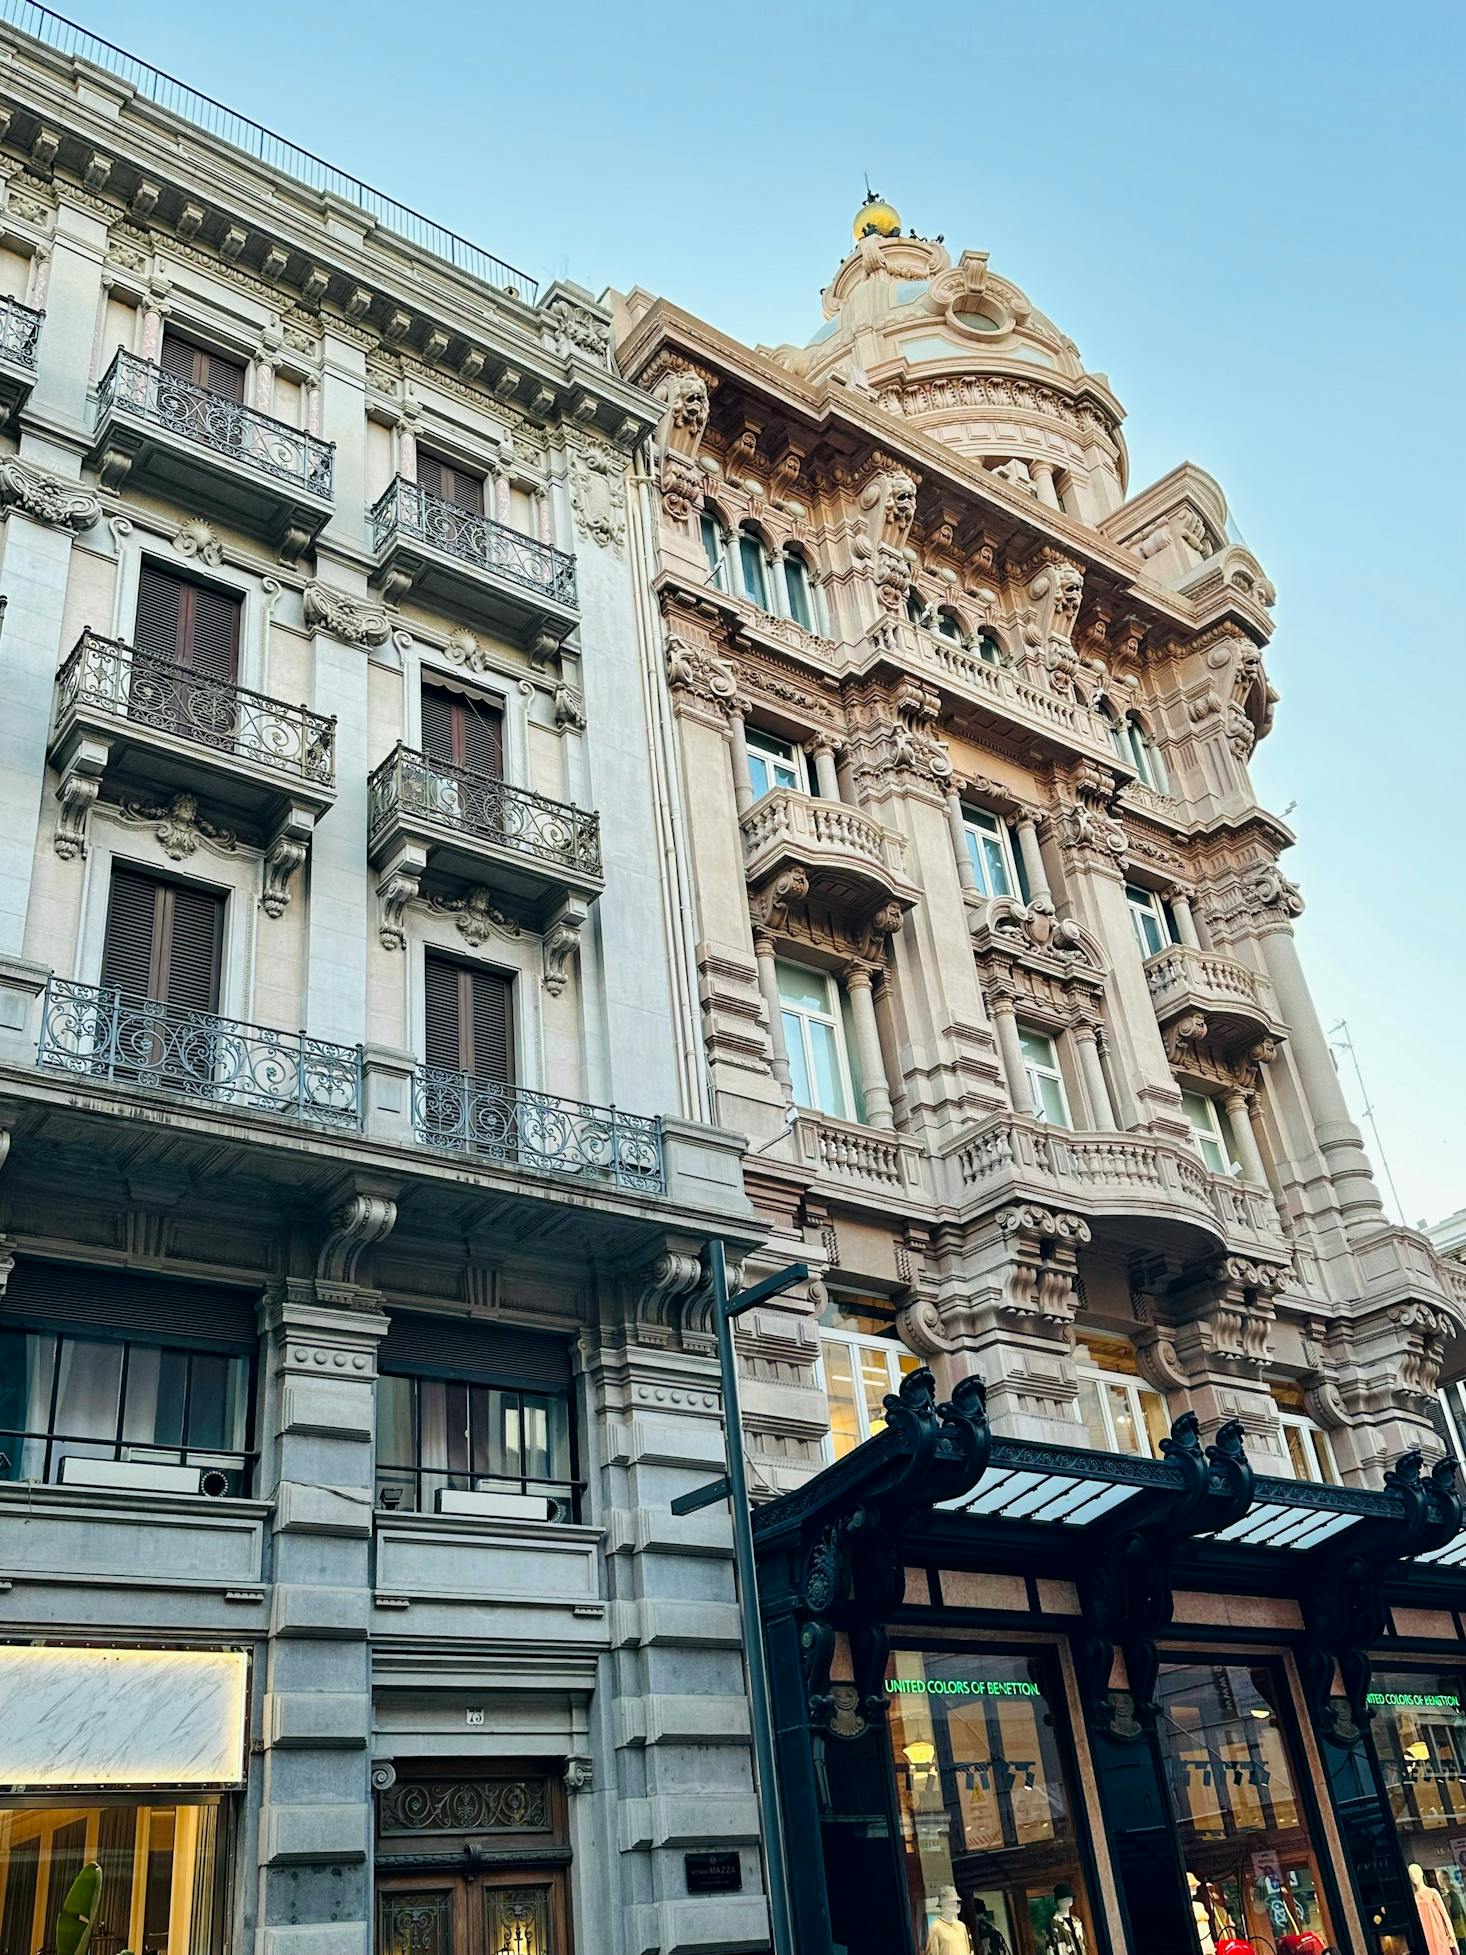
point(66, 37)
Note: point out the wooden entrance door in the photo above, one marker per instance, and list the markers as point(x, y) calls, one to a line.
point(501, 1911)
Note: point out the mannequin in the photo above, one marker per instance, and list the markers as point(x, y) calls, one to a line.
point(1435, 1922)
point(948, 1936)
point(990, 1938)
point(1066, 1930)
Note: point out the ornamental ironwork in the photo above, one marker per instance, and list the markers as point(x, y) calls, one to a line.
point(406, 509)
point(99, 1032)
point(409, 783)
point(109, 676)
point(415, 1924)
point(464, 1806)
point(225, 427)
point(522, 1128)
point(20, 330)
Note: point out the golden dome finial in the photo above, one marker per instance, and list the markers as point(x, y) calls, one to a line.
point(876, 218)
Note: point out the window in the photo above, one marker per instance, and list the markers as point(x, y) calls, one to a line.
point(814, 1036)
point(468, 1019)
point(990, 851)
point(987, 648)
point(1148, 914)
point(1045, 1081)
point(1210, 1134)
point(947, 625)
point(163, 941)
point(473, 1408)
point(715, 549)
point(751, 568)
point(159, 1865)
point(1120, 1414)
point(774, 763)
point(1310, 1450)
point(450, 483)
point(1136, 748)
point(196, 627)
point(863, 1362)
point(1419, 1732)
point(463, 729)
point(797, 590)
point(215, 372)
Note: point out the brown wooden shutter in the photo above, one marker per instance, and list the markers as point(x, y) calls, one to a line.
point(429, 474)
point(469, 1019)
point(463, 731)
point(437, 724)
point(210, 637)
point(225, 377)
point(450, 484)
point(159, 613)
point(194, 939)
point(467, 492)
point(163, 941)
point(177, 356)
point(214, 371)
point(128, 953)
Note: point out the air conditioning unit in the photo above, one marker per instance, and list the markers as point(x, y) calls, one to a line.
point(487, 1505)
point(137, 1475)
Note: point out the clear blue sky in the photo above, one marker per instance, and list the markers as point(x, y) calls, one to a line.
point(1247, 215)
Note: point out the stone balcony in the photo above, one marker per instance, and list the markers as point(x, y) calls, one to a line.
point(836, 855)
point(1130, 1187)
point(861, 1159)
point(20, 333)
point(1225, 993)
point(163, 434)
point(145, 729)
point(482, 569)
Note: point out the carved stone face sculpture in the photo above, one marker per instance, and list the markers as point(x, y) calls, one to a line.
point(689, 403)
point(1069, 584)
point(900, 505)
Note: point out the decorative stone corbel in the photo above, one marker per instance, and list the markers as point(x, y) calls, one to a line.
point(284, 856)
point(401, 880)
point(888, 502)
point(579, 1773)
point(346, 618)
point(684, 393)
point(47, 498)
point(360, 1221)
point(562, 940)
point(76, 792)
point(475, 915)
point(570, 708)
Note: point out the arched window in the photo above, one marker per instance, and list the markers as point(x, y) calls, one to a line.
point(715, 547)
point(948, 625)
point(751, 567)
point(798, 590)
point(987, 648)
point(1136, 748)
point(915, 605)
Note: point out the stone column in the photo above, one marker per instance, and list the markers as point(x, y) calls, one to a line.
point(1043, 482)
point(1237, 1106)
point(1032, 854)
point(966, 874)
point(738, 746)
point(1085, 1039)
point(406, 450)
point(768, 984)
point(1185, 921)
point(822, 749)
point(1005, 1021)
point(877, 1092)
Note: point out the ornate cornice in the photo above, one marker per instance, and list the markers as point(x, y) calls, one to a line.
point(47, 498)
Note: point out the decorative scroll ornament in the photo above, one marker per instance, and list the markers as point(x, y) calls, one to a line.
point(693, 669)
point(464, 1806)
point(570, 708)
point(598, 494)
point(475, 915)
point(345, 617)
point(196, 538)
point(1270, 892)
point(355, 1227)
point(180, 827)
point(47, 498)
point(464, 649)
point(576, 329)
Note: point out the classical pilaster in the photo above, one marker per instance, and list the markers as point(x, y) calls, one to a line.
point(768, 984)
point(966, 874)
point(876, 1093)
point(1086, 1035)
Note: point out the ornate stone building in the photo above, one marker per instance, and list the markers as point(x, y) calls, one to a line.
point(345, 1370)
point(996, 964)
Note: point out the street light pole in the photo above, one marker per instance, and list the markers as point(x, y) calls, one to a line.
point(735, 1489)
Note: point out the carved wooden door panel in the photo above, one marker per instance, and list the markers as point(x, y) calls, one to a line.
point(499, 1912)
point(426, 1916)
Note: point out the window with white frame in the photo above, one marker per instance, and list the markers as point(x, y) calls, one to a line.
point(987, 648)
point(990, 851)
point(1136, 748)
point(1119, 1412)
point(1045, 1081)
point(1310, 1450)
point(946, 624)
point(715, 548)
point(814, 1037)
point(862, 1362)
point(1210, 1134)
point(774, 763)
point(1148, 914)
point(798, 590)
point(752, 568)
point(1453, 1415)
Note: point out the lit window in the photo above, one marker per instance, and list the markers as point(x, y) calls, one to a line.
point(160, 1873)
point(715, 549)
point(774, 763)
point(751, 569)
point(1045, 1081)
point(1310, 1450)
point(1120, 1414)
point(797, 590)
point(814, 1036)
point(1210, 1134)
point(863, 1363)
point(990, 851)
point(1148, 914)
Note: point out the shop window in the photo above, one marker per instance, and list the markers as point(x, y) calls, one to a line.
point(1210, 1134)
point(990, 851)
point(814, 1036)
point(774, 763)
point(987, 1805)
point(1119, 1412)
point(1045, 1081)
point(1419, 1728)
point(1246, 1841)
point(863, 1362)
point(1148, 914)
point(158, 1868)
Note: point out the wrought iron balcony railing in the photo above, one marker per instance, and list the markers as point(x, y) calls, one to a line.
point(408, 783)
point(223, 426)
point(407, 509)
point(487, 1119)
point(98, 1032)
point(20, 330)
point(110, 677)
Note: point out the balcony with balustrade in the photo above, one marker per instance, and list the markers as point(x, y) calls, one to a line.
point(20, 337)
point(479, 568)
point(165, 434)
point(843, 860)
point(430, 816)
point(128, 724)
point(99, 1034)
point(1226, 993)
point(487, 1121)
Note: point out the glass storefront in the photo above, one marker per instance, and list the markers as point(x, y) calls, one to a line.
point(1419, 1729)
point(158, 1866)
point(1252, 1867)
point(988, 1812)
